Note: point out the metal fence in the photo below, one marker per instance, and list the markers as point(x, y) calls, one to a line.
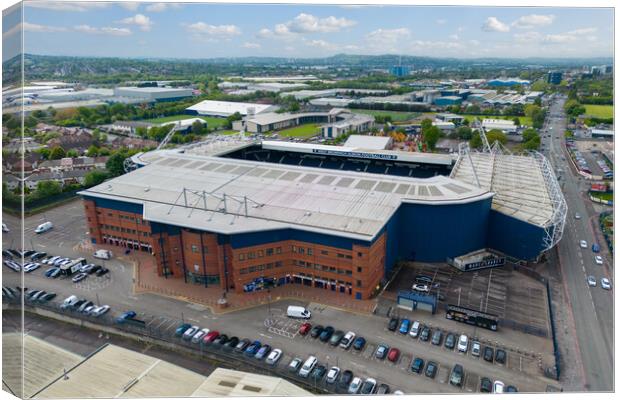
point(556, 349)
point(166, 338)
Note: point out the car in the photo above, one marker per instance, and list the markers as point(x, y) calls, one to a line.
point(415, 329)
point(475, 349)
point(393, 354)
point(326, 333)
point(125, 316)
point(456, 377)
point(253, 348)
point(345, 379)
point(347, 340)
point(181, 329)
point(305, 328)
point(417, 365)
point(199, 335)
point(450, 341)
point(598, 260)
point(419, 287)
point(431, 369)
point(231, 343)
point(381, 351)
point(96, 269)
point(359, 343)
point(38, 255)
point(307, 367)
point(262, 352)
point(498, 387)
point(87, 268)
point(591, 281)
point(487, 354)
point(463, 344)
point(274, 357)
point(89, 309)
point(35, 295)
point(577, 216)
point(486, 386)
point(51, 271)
point(425, 334)
point(85, 305)
point(316, 331)
point(69, 302)
point(369, 386)
point(7, 254)
point(399, 392)
point(355, 385)
point(510, 389)
point(79, 277)
point(50, 260)
point(437, 337)
point(336, 338)
point(393, 324)
point(210, 337)
point(383, 389)
point(242, 345)
point(99, 311)
point(596, 248)
point(500, 356)
point(102, 271)
point(294, 365)
point(332, 375)
point(318, 373)
point(189, 333)
point(583, 244)
point(605, 284)
point(404, 326)
point(221, 340)
point(31, 267)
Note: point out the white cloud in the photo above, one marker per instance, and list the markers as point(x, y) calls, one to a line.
point(454, 37)
point(388, 39)
point(582, 31)
point(474, 42)
point(527, 36)
point(142, 21)
point(560, 38)
point(249, 45)
point(322, 44)
point(441, 21)
point(493, 24)
point(306, 23)
point(264, 33)
point(160, 7)
point(202, 30)
point(66, 6)
point(107, 30)
point(533, 21)
point(129, 5)
point(42, 28)
point(572, 36)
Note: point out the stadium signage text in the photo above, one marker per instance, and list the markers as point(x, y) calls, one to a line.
point(495, 262)
point(355, 154)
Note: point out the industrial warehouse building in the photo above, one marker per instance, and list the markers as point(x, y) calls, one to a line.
point(214, 108)
point(153, 93)
point(242, 215)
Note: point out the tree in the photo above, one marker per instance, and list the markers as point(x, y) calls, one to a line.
point(496, 135)
point(142, 131)
point(431, 136)
point(92, 151)
point(48, 188)
point(44, 152)
point(528, 134)
point(104, 151)
point(197, 128)
point(475, 141)
point(73, 153)
point(532, 144)
point(426, 124)
point(95, 177)
point(464, 133)
point(574, 108)
point(517, 121)
point(115, 164)
point(57, 153)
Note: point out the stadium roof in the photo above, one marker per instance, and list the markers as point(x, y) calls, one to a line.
point(238, 196)
point(368, 142)
point(226, 108)
point(519, 183)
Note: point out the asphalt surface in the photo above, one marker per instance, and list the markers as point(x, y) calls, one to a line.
point(265, 323)
point(592, 307)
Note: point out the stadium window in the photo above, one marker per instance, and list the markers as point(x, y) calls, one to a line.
point(251, 255)
point(260, 253)
point(194, 248)
point(243, 271)
point(359, 254)
point(269, 252)
point(309, 251)
point(340, 255)
point(241, 256)
point(340, 271)
point(252, 269)
point(278, 250)
point(348, 257)
point(278, 264)
point(359, 269)
point(269, 265)
point(324, 252)
point(348, 272)
point(358, 283)
point(302, 250)
point(318, 267)
point(294, 249)
point(260, 267)
point(205, 249)
point(332, 269)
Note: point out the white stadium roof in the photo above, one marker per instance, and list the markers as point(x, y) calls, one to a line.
point(226, 108)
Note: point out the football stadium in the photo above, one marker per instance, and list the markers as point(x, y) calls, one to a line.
point(241, 213)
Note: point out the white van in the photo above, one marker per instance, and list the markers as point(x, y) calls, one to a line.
point(4, 227)
point(69, 302)
point(298, 312)
point(308, 367)
point(103, 254)
point(44, 227)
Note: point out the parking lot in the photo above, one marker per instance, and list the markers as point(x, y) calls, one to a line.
point(517, 300)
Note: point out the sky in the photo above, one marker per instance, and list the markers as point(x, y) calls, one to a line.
point(168, 30)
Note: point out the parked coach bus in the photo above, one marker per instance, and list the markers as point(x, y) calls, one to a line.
point(472, 317)
point(73, 267)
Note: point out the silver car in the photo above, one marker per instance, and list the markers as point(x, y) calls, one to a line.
point(591, 281)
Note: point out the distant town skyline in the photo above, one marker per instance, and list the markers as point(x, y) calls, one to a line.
point(191, 30)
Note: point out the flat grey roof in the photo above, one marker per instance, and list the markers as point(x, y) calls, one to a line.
point(236, 196)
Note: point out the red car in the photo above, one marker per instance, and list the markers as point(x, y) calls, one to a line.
point(211, 336)
point(305, 328)
point(393, 354)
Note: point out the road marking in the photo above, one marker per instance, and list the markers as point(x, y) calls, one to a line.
point(267, 336)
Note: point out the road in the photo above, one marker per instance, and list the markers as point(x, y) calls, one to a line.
point(115, 290)
point(592, 307)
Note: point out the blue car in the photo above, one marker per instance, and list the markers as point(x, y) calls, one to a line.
point(596, 248)
point(253, 349)
point(404, 326)
point(52, 272)
point(181, 329)
point(359, 343)
point(125, 316)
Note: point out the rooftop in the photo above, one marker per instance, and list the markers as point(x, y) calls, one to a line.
point(226, 108)
point(226, 382)
point(368, 142)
